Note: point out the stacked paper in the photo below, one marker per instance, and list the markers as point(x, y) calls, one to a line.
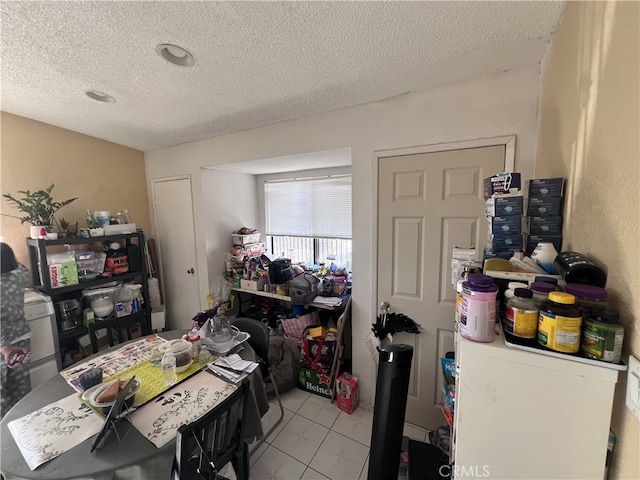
point(232, 367)
point(330, 301)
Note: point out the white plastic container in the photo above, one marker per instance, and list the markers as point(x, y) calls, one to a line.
point(509, 293)
point(478, 311)
point(103, 217)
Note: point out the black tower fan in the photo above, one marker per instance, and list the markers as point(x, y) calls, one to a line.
point(392, 387)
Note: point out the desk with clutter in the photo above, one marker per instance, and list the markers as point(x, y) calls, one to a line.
point(307, 304)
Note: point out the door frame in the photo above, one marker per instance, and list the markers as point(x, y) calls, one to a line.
point(508, 141)
point(157, 230)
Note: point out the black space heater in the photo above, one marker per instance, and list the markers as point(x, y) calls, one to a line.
point(392, 387)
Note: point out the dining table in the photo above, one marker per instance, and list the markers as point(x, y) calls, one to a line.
point(132, 457)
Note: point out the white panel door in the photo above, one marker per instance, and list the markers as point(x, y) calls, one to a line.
point(177, 245)
point(427, 204)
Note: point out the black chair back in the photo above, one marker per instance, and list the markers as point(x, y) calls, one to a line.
point(119, 329)
point(259, 339)
point(210, 442)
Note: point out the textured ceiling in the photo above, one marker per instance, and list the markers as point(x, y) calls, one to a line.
point(257, 63)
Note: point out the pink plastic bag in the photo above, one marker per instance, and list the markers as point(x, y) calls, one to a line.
point(294, 327)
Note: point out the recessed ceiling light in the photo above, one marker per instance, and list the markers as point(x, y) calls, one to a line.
point(176, 55)
point(99, 96)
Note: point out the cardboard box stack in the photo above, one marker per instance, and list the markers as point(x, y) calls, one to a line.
point(544, 212)
point(504, 208)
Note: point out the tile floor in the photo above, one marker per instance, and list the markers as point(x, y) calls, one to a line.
point(316, 441)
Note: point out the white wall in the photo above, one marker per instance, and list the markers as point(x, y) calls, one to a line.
point(501, 105)
point(229, 202)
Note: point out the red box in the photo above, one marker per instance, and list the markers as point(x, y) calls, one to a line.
point(347, 392)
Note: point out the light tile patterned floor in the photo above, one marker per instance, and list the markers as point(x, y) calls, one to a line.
point(316, 441)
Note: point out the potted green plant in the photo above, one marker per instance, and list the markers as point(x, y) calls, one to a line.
point(38, 207)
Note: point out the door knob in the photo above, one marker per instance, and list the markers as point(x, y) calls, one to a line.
point(384, 307)
point(191, 271)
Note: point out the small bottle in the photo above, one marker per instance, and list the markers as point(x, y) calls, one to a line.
point(521, 318)
point(541, 291)
point(509, 293)
point(194, 338)
point(169, 376)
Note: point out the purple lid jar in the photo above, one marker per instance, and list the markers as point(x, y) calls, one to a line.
point(586, 292)
point(541, 291)
point(588, 297)
point(543, 287)
point(478, 282)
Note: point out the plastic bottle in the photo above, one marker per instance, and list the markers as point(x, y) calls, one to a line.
point(602, 337)
point(575, 267)
point(509, 293)
point(559, 323)
point(117, 259)
point(544, 255)
point(169, 376)
point(588, 297)
point(194, 338)
point(521, 319)
point(478, 309)
point(541, 291)
point(467, 269)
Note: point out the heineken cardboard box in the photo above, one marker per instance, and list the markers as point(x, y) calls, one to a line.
point(314, 382)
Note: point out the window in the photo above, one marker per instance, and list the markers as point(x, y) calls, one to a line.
point(309, 219)
point(312, 250)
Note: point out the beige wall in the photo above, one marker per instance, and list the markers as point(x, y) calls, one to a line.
point(103, 175)
point(589, 129)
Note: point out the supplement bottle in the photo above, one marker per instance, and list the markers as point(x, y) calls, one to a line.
point(169, 376)
point(575, 267)
point(588, 297)
point(602, 337)
point(478, 309)
point(559, 323)
point(521, 319)
point(117, 261)
point(468, 269)
point(509, 293)
point(541, 291)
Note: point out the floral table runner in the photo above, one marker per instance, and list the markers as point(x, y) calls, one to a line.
point(160, 419)
point(54, 429)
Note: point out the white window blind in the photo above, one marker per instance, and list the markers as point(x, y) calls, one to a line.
point(310, 207)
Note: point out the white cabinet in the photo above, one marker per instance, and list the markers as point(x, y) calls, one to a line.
point(522, 414)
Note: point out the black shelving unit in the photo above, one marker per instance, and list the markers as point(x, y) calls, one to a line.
point(41, 281)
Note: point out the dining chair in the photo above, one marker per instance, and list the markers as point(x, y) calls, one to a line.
point(216, 438)
point(118, 330)
point(259, 341)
